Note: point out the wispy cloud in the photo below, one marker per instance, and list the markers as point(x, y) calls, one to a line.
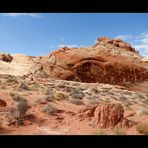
point(139, 42)
point(21, 14)
point(124, 37)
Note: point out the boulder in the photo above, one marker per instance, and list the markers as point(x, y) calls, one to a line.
point(6, 57)
point(105, 116)
point(113, 62)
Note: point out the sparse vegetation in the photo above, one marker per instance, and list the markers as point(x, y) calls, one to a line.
point(100, 132)
point(122, 98)
point(76, 94)
point(17, 115)
point(91, 102)
point(142, 128)
point(107, 100)
point(129, 108)
point(24, 86)
point(95, 90)
point(50, 97)
point(127, 93)
point(11, 79)
point(34, 102)
point(140, 96)
point(142, 111)
point(48, 91)
point(49, 109)
point(0, 123)
point(126, 103)
point(76, 101)
point(12, 94)
point(61, 96)
point(119, 131)
point(18, 97)
point(22, 107)
point(3, 87)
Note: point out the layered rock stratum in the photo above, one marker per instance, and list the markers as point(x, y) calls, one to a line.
point(111, 61)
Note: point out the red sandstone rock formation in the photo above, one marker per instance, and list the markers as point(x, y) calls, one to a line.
point(106, 116)
point(6, 57)
point(116, 42)
point(110, 61)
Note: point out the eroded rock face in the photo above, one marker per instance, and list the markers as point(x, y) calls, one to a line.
point(113, 62)
point(6, 57)
point(106, 116)
point(116, 42)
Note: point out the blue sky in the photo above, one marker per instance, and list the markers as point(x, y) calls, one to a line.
point(40, 33)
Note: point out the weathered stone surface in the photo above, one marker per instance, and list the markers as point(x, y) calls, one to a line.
point(116, 42)
point(110, 61)
point(6, 57)
point(105, 116)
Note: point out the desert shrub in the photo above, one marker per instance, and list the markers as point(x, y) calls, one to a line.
point(0, 123)
point(18, 97)
point(100, 132)
point(48, 91)
point(13, 115)
point(119, 131)
point(113, 97)
point(92, 98)
point(12, 94)
point(140, 96)
point(142, 128)
point(95, 90)
point(49, 109)
point(91, 102)
point(61, 96)
point(75, 84)
point(34, 87)
point(11, 79)
point(76, 94)
point(22, 107)
point(127, 93)
point(34, 102)
point(142, 111)
point(76, 101)
point(107, 100)
point(24, 86)
point(50, 97)
point(122, 98)
point(126, 103)
point(129, 108)
point(17, 115)
point(146, 94)
point(3, 87)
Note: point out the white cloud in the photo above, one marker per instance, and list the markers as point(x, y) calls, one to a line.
point(139, 42)
point(21, 14)
point(144, 37)
point(124, 37)
point(69, 46)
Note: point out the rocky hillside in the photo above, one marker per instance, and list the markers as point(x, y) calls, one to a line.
point(109, 61)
